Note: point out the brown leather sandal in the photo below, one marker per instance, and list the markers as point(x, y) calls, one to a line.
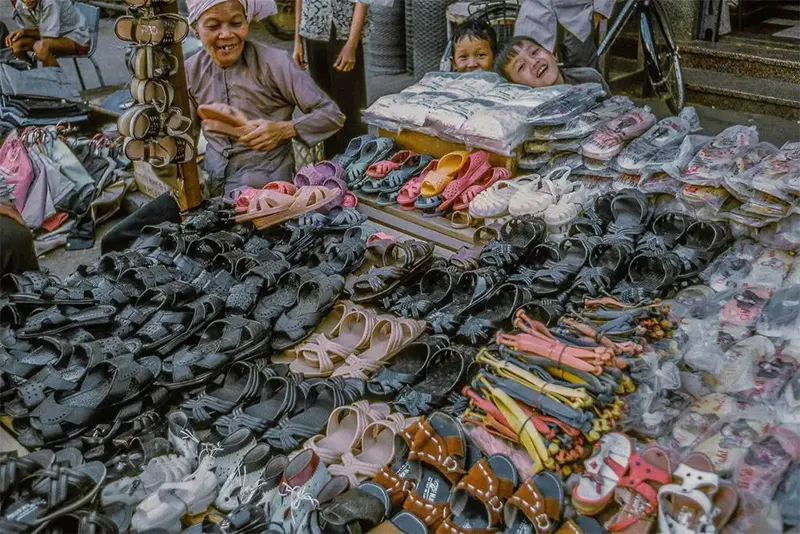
point(477, 501)
point(395, 476)
point(438, 456)
point(536, 506)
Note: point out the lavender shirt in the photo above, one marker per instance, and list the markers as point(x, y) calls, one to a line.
point(264, 84)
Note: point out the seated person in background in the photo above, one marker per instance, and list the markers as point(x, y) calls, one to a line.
point(265, 85)
point(50, 28)
point(526, 62)
point(17, 253)
point(474, 46)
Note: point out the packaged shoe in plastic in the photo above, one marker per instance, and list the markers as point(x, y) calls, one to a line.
point(718, 158)
point(576, 100)
point(587, 122)
point(608, 141)
point(667, 132)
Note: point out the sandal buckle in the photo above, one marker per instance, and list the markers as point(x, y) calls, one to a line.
point(450, 464)
point(408, 486)
point(543, 522)
point(495, 504)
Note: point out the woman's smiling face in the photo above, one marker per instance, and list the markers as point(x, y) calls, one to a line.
point(222, 30)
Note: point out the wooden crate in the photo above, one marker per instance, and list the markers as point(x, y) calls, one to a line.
point(427, 144)
point(437, 230)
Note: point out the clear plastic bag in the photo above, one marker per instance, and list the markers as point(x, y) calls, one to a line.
point(739, 182)
point(609, 140)
point(689, 147)
point(575, 100)
point(783, 234)
point(732, 266)
point(669, 131)
point(585, 123)
point(738, 369)
point(762, 468)
point(718, 157)
point(770, 267)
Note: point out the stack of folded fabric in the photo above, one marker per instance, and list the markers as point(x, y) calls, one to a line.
point(38, 97)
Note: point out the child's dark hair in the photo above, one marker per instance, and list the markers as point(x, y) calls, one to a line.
point(509, 52)
point(478, 29)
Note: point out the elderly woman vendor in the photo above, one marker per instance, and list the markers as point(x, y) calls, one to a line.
point(264, 84)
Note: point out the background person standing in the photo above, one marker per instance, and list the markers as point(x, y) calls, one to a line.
point(573, 21)
point(333, 31)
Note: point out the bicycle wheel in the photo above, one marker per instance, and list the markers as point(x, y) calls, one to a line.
point(661, 57)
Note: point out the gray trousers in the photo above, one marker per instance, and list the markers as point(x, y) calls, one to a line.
point(577, 53)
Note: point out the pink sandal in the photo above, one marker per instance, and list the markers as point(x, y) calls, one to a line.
point(412, 189)
point(287, 188)
point(476, 168)
point(389, 336)
point(382, 168)
point(377, 450)
point(307, 199)
point(319, 356)
point(265, 204)
point(346, 426)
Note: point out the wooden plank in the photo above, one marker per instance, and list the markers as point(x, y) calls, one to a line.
point(436, 230)
point(427, 144)
point(413, 219)
point(187, 171)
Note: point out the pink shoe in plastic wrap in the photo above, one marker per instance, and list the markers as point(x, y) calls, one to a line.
point(609, 140)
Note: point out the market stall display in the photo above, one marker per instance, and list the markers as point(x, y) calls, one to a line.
point(606, 356)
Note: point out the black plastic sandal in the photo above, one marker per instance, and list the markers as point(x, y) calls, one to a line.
point(66, 373)
point(272, 306)
point(315, 298)
point(321, 399)
point(408, 368)
point(471, 287)
point(401, 262)
point(488, 314)
point(243, 297)
point(279, 397)
point(443, 374)
point(345, 256)
point(168, 329)
point(206, 248)
point(63, 416)
point(66, 490)
point(53, 320)
point(235, 337)
point(435, 288)
point(243, 382)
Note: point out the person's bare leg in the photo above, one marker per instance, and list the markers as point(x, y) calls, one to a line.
point(48, 49)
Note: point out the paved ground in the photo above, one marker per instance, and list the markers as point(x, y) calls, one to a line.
point(110, 55)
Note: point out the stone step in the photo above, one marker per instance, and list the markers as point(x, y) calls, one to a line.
point(749, 59)
point(790, 11)
point(742, 93)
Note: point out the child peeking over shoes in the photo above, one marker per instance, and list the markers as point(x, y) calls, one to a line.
point(526, 62)
point(474, 46)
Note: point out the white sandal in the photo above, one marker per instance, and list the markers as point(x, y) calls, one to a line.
point(493, 201)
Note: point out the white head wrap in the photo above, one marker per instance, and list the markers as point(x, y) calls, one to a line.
point(253, 9)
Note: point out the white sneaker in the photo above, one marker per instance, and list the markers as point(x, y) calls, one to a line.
point(223, 458)
point(243, 482)
point(181, 434)
point(163, 510)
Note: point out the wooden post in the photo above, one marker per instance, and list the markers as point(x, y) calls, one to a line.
point(186, 171)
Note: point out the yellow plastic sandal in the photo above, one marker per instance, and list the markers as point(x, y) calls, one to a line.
point(529, 437)
point(575, 398)
point(447, 169)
